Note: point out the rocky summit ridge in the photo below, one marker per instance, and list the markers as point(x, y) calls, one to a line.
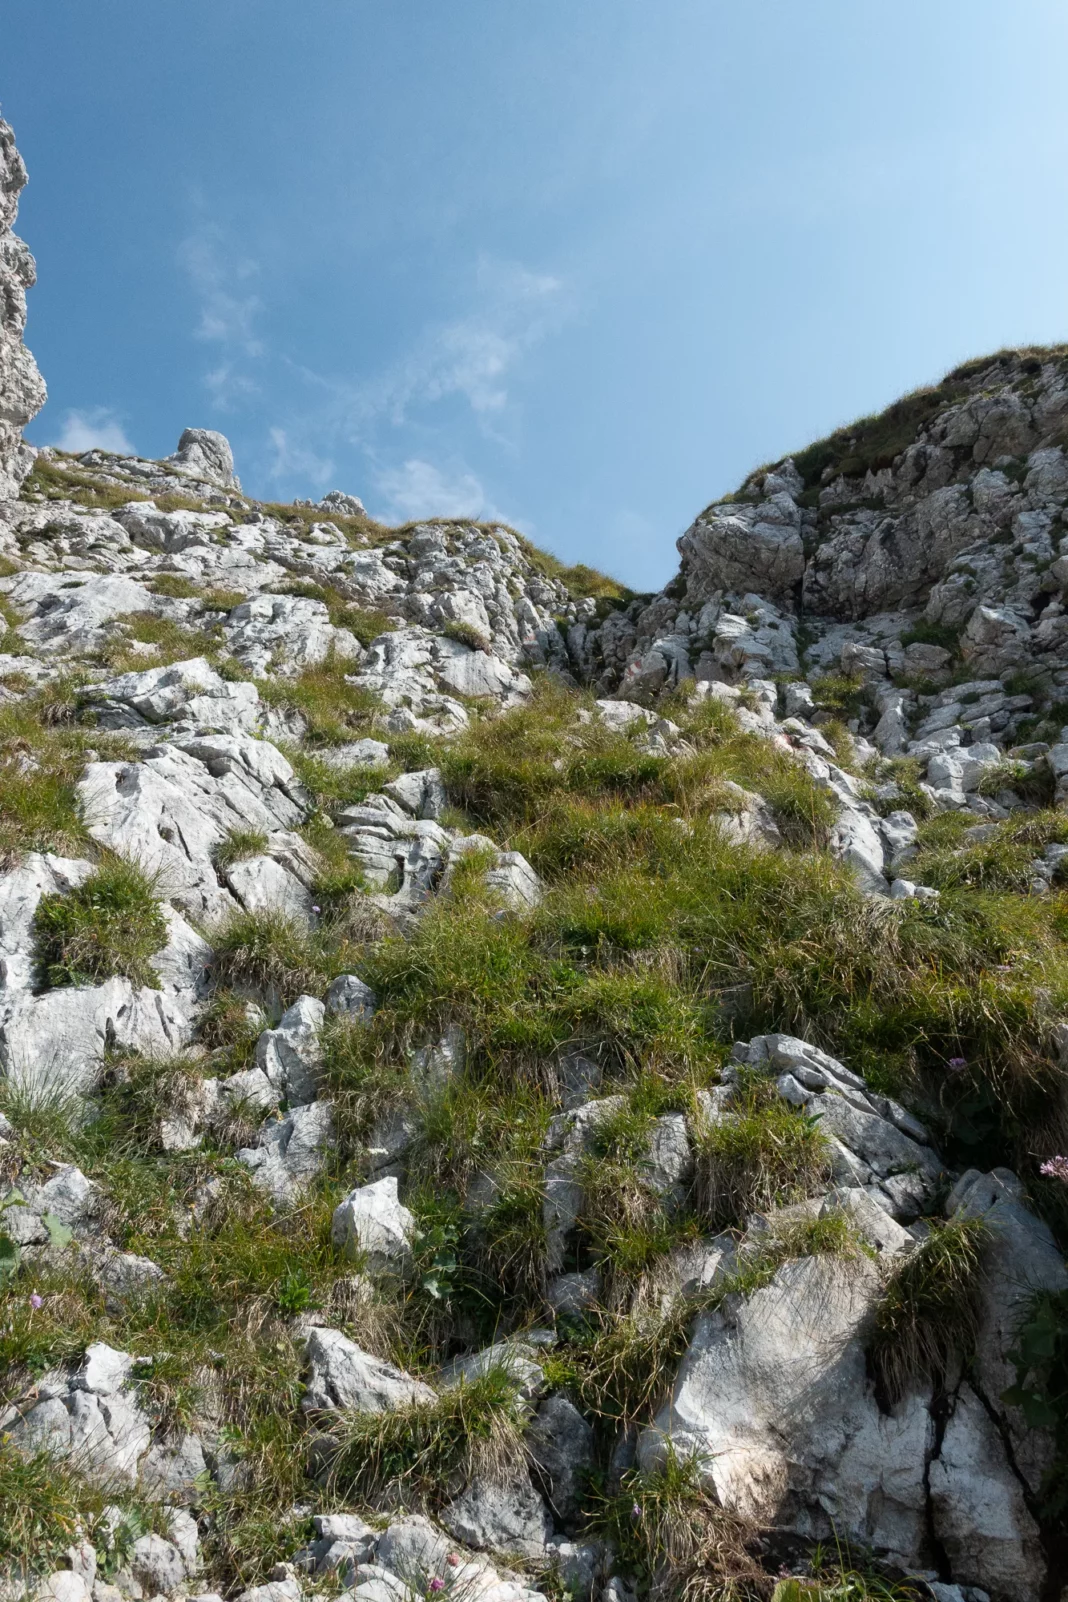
point(519, 1091)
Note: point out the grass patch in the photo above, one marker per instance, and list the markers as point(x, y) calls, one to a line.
point(171, 642)
point(467, 634)
point(579, 580)
point(1034, 783)
point(928, 1317)
point(1000, 863)
point(358, 531)
point(423, 1454)
point(840, 693)
point(110, 926)
point(44, 1508)
point(924, 633)
point(238, 845)
point(764, 1154)
point(673, 1537)
point(333, 786)
point(334, 711)
point(271, 954)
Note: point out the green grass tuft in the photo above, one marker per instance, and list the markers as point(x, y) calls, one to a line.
point(421, 1454)
point(928, 1317)
point(107, 927)
point(764, 1154)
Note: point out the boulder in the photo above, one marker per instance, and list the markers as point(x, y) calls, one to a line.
point(341, 1375)
point(290, 1056)
point(291, 1151)
point(204, 454)
point(372, 1224)
point(349, 997)
point(561, 1447)
point(500, 1517)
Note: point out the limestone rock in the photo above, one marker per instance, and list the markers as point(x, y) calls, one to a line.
point(507, 1517)
point(560, 1443)
point(349, 997)
point(290, 1056)
point(291, 1152)
point(371, 1223)
point(22, 390)
point(204, 454)
point(340, 1375)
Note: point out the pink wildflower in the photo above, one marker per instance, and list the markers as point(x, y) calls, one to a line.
point(1056, 1168)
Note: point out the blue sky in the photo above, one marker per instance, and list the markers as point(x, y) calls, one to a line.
point(580, 264)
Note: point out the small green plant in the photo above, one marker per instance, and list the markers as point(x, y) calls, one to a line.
point(111, 925)
point(929, 1312)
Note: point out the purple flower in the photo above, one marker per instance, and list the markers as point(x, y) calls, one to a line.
point(957, 1065)
point(36, 1301)
point(436, 1584)
point(1056, 1168)
point(317, 909)
point(635, 1511)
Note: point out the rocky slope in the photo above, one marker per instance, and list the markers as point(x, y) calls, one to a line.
point(516, 1091)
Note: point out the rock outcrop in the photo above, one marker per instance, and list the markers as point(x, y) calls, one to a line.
point(22, 389)
point(431, 1175)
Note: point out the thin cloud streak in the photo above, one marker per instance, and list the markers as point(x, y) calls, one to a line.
point(471, 357)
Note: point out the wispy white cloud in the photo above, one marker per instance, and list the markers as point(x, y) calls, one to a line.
point(227, 315)
point(293, 461)
point(228, 309)
point(472, 357)
point(418, 489)
point(95, 427)
point(227, 384)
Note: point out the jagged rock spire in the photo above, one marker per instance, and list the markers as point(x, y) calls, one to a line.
point(22, 389)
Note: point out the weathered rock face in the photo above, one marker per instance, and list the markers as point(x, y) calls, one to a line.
point(947, 511)
point(22, 389)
